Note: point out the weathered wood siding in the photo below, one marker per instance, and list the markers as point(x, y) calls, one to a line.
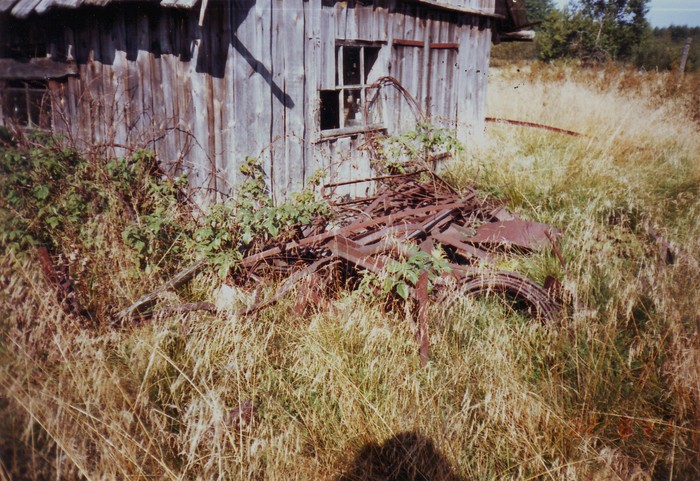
point(247, 82)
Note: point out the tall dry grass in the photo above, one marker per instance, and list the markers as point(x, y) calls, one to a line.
point(611, 392)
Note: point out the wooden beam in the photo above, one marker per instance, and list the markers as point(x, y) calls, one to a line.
point(441, 4)
point(36, 69)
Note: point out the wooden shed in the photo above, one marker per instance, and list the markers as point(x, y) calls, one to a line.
point(301, 84)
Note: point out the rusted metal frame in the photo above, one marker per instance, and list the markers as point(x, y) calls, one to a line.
point(151, 298)
point(401, 42)
point(422, 331)
point(371, 179)
point(463, 249)
point(522, 123)
point(372, 206)
point(287, 286)
point(445, 46)
point(428, 226)
point(387, 231)
point(557, 252)
point(385, 247)
point(346, 249)
point(515, 284)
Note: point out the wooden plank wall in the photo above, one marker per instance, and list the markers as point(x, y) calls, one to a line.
point(246, 82)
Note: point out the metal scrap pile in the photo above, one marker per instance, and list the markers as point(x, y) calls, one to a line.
point(410, 213)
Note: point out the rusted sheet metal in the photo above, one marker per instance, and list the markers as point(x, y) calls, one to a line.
point(519, 233)
point(408, 211)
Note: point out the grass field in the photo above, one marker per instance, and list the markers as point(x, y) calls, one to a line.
point(610, 392)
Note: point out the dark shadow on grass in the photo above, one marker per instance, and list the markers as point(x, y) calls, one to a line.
point(407, 456)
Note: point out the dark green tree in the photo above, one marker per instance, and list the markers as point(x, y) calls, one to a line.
point(539, 10)
point(595, 30)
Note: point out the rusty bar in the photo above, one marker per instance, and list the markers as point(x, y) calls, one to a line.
point(522, 123)
point(463, 249)
point(350, 251)
point(287, 286)
point(372, 179)
point(422, 298)
point(445, 46)
point(400, 42)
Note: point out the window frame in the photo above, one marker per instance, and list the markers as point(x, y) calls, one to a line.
point(341, 88)
point(28, 88)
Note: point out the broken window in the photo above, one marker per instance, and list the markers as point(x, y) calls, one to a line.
point(27, 103)
point(353, 104)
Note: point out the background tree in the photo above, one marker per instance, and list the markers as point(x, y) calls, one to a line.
point(596, 30)
point(539, 10)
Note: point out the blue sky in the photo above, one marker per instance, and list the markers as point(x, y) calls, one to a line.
point(663, 13)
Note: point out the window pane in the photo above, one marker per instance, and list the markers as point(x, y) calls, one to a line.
point(14, 106)
point(330, 117)
point(40, 108)
point(27, 103)
point(352, 108)
point(351, 65)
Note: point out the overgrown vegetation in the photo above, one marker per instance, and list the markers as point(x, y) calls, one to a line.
point(610, 392)
point(592, 31)
point(125, 221)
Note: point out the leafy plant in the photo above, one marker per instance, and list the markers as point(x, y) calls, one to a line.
point(423, 143)
point(400, 276)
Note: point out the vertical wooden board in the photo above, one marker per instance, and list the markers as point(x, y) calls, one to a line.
point(212, 33)
point(389, 94)
point(229, 166)
point(71, 88)
point(252, 85)
point(312, 83)
point(288, 96)
point(158, 123)
point(167, 105)
point(95, 86)
point(352, 19)
point(323, 155)
point(341, 14)
point(482, 74)
point(106, 57)
point(435, 72)
point(460, 84)
point(422, 72)
point(144, 67)
point(180, 66)
point(133, 86)
point(197, 114)
point(294, 91)
point(364, 22)
point(327, 54)
point(340, 163)
point(360, 166)
point(119, 110)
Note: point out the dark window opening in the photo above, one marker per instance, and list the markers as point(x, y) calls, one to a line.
point(329, 110)
point(27, 50)
point(27, 103)
point(352, 104)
